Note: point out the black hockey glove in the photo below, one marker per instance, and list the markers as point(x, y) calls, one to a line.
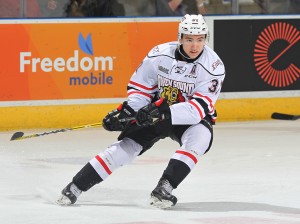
point(118, 119)
point(154, 112)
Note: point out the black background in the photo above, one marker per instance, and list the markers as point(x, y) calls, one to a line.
point(234, 42)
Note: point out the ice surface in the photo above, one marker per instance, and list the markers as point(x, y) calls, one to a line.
point(250, 175)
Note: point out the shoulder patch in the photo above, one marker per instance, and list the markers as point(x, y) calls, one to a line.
point(155, 50)
point(216, 64)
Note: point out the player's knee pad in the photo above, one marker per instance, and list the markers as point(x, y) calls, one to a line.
point(196, 140)
point(123, 152)
point(118, 154)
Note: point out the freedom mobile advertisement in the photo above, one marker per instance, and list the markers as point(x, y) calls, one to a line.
point(259, 54)
point(61, 60)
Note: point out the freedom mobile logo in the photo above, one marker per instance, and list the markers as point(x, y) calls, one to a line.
point(92, 64)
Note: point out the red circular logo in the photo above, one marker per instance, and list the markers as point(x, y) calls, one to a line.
point(264, 66)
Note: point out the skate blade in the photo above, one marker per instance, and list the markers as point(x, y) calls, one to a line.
point(63, 201)
point(161, 204)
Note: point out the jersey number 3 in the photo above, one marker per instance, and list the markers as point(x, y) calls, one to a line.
point(214, 85)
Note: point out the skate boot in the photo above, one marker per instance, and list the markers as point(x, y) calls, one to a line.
point(69, 195)
point(161, 196)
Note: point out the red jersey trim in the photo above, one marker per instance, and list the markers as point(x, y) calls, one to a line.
point(141, 86)
point(198, 108)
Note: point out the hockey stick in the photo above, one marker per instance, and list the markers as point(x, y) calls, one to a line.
point(280, 116)
point(20, 135)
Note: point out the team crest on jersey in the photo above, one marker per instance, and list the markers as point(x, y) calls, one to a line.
point(183, 87)
point(172, 95)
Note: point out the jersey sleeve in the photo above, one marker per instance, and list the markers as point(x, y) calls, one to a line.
point(142, 86)
point(201, 103)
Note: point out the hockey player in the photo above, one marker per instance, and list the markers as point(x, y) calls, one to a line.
point(171, 94)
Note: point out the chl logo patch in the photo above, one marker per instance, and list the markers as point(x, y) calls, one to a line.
point(180, 70)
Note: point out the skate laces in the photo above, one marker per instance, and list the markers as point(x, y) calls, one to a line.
point(165, 184)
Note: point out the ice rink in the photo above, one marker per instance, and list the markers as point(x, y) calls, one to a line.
point(250, 175)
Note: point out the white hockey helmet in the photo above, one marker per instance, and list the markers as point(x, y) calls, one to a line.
point(193, 25)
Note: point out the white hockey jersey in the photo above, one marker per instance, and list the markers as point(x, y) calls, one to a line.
point(190, 88)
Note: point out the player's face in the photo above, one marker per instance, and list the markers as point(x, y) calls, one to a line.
point(193, 44)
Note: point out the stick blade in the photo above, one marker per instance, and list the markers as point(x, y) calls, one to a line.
point(280, 116)
point(17, 135)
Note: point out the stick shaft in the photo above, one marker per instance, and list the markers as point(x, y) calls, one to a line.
point(59, 130)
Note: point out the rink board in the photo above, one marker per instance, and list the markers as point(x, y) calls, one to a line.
point(56, 116)
point(68, 88)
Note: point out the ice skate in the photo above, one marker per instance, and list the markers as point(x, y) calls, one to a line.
point(161, 196)
point(68, 195)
